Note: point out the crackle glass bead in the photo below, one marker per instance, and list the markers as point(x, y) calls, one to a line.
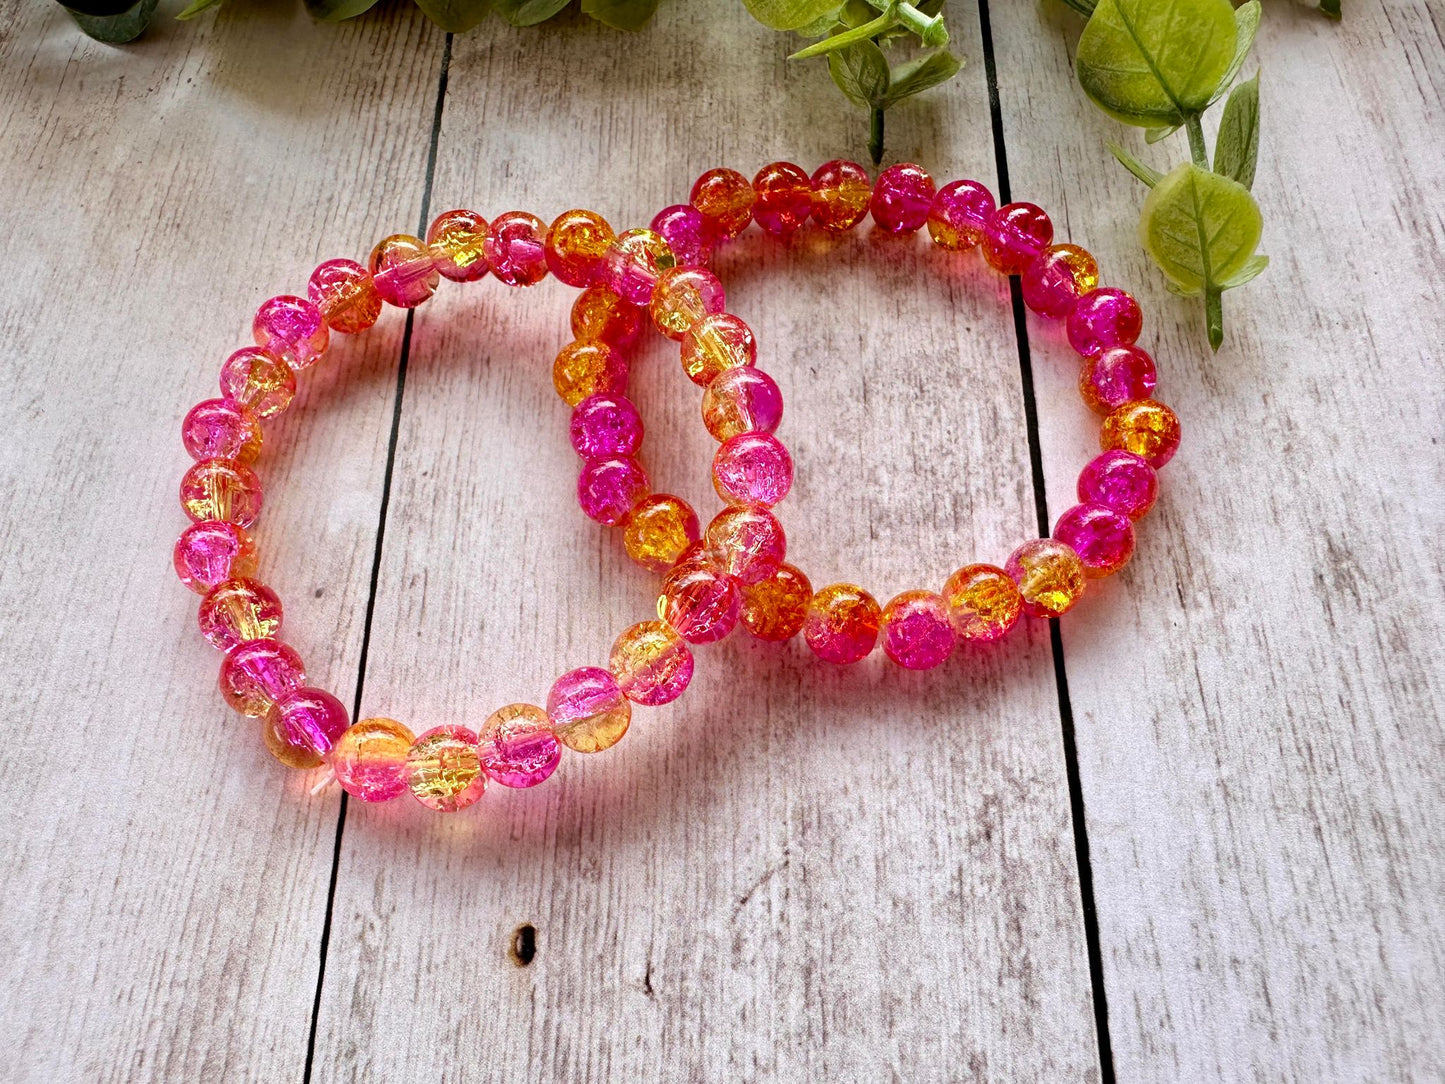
point(1147, 428)
point(589, 712)
point(685, 231)
point(257, 673)
point(260, 382)
point(902, 198)
point(634, 262)
point(774, 608)
point(221, 429)
point(841, 625)
point(983, 603)
point(784, 197)
point(292, 329)
point(599, 314)
point(588, 367)
point(516, 248)
point(302, 727)
point(605, 425)
point(1103, 318)
point(369, 759)
point(211, 552)
point(443, 770)
point(658, 529)
point(682, 297)
point(221, 489)
point(958, 215)
point(1049, 575)
point(699, 602)
point(238, 610)
point(715, 344)
point(344, 293)
point(725, 200)
point(745, 541)
point(651, 662)
point(1118, 375)
point(1057, 277)
point(1102, 537)
point(738, 401)
point(458, 244)
point(1014, 235)
point(1119, 480)
point(608, 487)
point(841, 193)
point(752, 468)
point(917, 630)
point(577, 245)
point(404, 271)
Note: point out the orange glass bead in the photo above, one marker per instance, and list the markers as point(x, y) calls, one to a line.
point(588, 368)
point(658, 529)
point(725, 199)
point(841, 625)
point(774, 608)
point(238, 610)
point(221, 489)
point(841, 191)
point(983, 602)
point(443, 770)
point(259, 381)
point(784, 197)
point(403, 270)
point(1049, 575)
point(346, 296)
point(651, 662)
point(369, 759)
point(577, 246)
point(457, 240)
point(1147, 428)
point(717, 342)
point(600, 314)
point(682, 297)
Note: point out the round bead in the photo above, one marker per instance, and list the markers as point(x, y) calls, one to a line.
point(699, 602)
point(725, 200)
point(958, 215)
point(457, 241)
point(784, 197)
point(577, 245)
point(682, 297)
point(589, 712)
point(738, 401)
point(344, 293)
point(634, 261)
point(211, 552)
point(1118, 375)
point(302, 726)
point(605, 425)
point(221, 429)
point(1119, 480)
point(658, 529)
point(1147, 428)
point(221, 489)
point(257, 673)
point(588, 367)
point(774, 608)
point(686, 233)
point(1103, 318)
point(403, 270)
point(841, 625)
point(917, 631)
point(608, 488)
point(983, 603)
point(516, 248)
point(902, 198)
point(1057, 277)
point(747, 542)
point(258, 381)
point(1102, 537)
point(651, 662)
point(443, 770)
point(599, 314)
point(518, 747)
point(369, 759)
point(841, 193)
point(715, 344)
point(752, 468)
point(291, 328)
point(238, 610)
point(1014, 235)
point(1049, 575)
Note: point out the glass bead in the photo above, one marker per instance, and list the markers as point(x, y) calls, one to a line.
point(717, 343)
point(345, 295)
point(651, 662)
point(902, 198)
point(221, 429)
point(605, 425)
point(1147, 428)
point(774, 608)
point(686, 233)
point(784, 197)
point(403, 270)
point(518, 746)
point(457, 241)
point(634, 262)
point(444, 770)
point(752, 468)
point(577, 245)
point(302, 726)
point(238, 610)
point(725, 200)
point(738, 401)
point(589, 712)
point(211, 552)
point(699, 602)
point(516, 248)
point(841, 625)
point(257, 673)
point(599, 314)
point(1049, 575)
point(221, 489)
point(841, 193)
point(607, 488)
point(1056, 278)
point(588, 367)
point(1118, 375)
point(1014, 235)
point(917, 630)
point(1103, 318)
point(1102, 537)
point(1119, 480)
point(983, 603)
point(682, 297)
point(260, 382)
point(291, 328)
point(658, 529)
point(958, 215)
point(369, 759)
point(745, 541)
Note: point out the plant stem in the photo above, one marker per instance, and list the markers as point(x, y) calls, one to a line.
point(1214, 315)
point(885, 22)
point(875, 135)
point(1195, 127)
point(930, 31)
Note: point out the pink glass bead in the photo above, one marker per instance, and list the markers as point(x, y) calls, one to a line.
point(221, 489)
point(256, 674)
point(517, 746)
point(682, 297)
point(1119, 480)
point(651, 662)
point(605, 425)
point(747, 542)
point(958, 215)
point(369, 759)
point(841, 194)
point(1056, 278)
point(1104, 318)
point(745, 400)
point(917, 630)
point(752, 468)
point(902, 198)
point(1102, 537)
point(1014, 235)
point(345, 294)
point(785, 197)
point(725, 200)
point(600, 314)
point(634, 261)
point(303, 725)
point(221, 429)
point(238, 610)
point(260, 382)
point(608, 488)
point(211, 552)
point(292, 329)
point(457, 241)
point(516, 248)
point(1118, 375)
point(589, 712)
point(685, 232)
point(403, 270)
point(841, 625)
point(699, 602)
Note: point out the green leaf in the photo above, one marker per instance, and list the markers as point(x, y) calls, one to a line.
point(621, 14)
point(1152, 63)
point(789, 14)
point(1246, 26)
point(1146, 173)
point(916, 76)
point(1236, 149)
point(851, 36)
point(455, 16)
point(196, 7)
point(333, 11)
point(1200, 228)
point(861, 72)
point(819, 28)
point(1154, 135)
point(116, 27)
point(1250, 271)
point(1083, 7)
point(1330, 8)
point(527, 12)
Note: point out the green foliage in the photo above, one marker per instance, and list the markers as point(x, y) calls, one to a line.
point(328, 11)
point(621, 14)
point(789, 14)
point(1236, 149)
point(113, 23)
point(1200, 228)
point(528, 12)
point(455, 16)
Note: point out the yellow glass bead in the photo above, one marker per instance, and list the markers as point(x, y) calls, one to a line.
point(715, 343)
point(983, 602)
point(682, 297)
point(775, 608)
point(221, 489)
point(369, 759)
point(1147, 428)
point(443, 770)
point(1049, 575)
point(588, 368)
point(598, 313)
point(577, 246)
point(651, 662)
point(457, 241)
point(658, 529)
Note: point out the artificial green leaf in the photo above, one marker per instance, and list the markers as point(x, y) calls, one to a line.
point(1146, 173)
point(334, 11)
point(1154, 135)
point(1151, 63)
point(819, 28)
point(1236, 150)
point(857, 12)
point(861, 72)
point(455, 16)
point(1251, 269)
point(915, 76)
point(1246, 26)
point(1330, 8)
point(115, 27)
point(789, 14)
point(196, 7)
point(844, 38)
point(1083, 7)
point(622, 14)
point(527, 12)
point(1200, 228)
